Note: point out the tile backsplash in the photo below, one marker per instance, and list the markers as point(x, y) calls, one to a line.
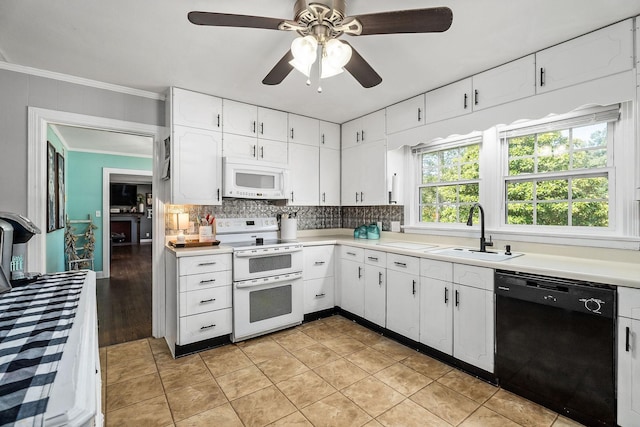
point(309, 217)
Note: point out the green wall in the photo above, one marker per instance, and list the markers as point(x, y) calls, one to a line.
point(84, 188)
point(55, 239)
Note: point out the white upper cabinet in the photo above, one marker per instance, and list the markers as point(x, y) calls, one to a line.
point(272, 124)
point(247, 147)
point(364, 175)
point(330, 135)
point(594, 55)
point(449, 101)
point(249, 120)
point(304, 130)
point(406, 115)
point(365, 129)
point(195, 109)
point(304, 175)
point(329, 177)
point(505, 83)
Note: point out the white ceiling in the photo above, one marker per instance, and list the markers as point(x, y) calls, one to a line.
point(150, 45)
point(105, 142)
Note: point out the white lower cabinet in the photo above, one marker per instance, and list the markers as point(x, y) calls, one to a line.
point(436, 314)
point(403, 295)
point(352, 280)
point(628, 357)
point(375, 287)
point(319, 278)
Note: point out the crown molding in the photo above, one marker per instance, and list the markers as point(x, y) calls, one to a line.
point(79, 80)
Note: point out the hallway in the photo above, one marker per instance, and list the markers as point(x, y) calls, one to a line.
point(124, 299)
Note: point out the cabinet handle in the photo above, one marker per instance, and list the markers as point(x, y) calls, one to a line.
point(291, 133)
point(218, 120)
point(419, 114)
point(262, 152)
point(362, 131)
point(202, 264)
point(380, 278)
point(351, 253)
point(208, 327)
point(218, 194)
point(627, 345)
point(357, 136)
point(372, 258)
point(323, 138)
point(400, 264)
point(323, 198)
point(318, 263)
point(204, 301)
point(255, 147)
point(475, 96)
point(542, 76)
point(292, 197)
point(320, 295)
point(359, 272)
point(414, 287)
point(202, 282)
point(254, 127)
point(261, 128)
point(465, 101)
point(356, 196)
point(446, 295)
point(361, 197)
point(457, 298)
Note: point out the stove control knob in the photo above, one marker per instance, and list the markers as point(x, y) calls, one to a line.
point(593, 305)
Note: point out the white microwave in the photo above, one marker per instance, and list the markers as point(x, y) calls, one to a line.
point(253, 179)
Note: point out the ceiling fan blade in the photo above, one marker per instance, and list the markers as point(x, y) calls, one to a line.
point(280, 71)
point(361, 70)
point(231, 20)
point(431, 20)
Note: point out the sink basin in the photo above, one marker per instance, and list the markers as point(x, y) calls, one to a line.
point(407, 245)
point(474, 254)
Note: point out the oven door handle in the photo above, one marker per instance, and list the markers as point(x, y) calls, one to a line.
point(267, 252)
point(269, 281)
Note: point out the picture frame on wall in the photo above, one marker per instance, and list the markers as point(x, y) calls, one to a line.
point(61, 192)
point(52, 188)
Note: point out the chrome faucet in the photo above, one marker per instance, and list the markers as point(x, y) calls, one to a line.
point(483, 241)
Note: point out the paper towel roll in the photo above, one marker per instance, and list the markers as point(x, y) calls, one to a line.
point(394, 188)
point(288, 229)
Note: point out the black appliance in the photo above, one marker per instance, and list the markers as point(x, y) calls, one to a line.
point(555, 344)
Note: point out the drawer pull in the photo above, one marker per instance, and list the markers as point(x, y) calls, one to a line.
point(318, 263)
point(372, 258)
point(351, 253)
point(203, 264)
point(207, 327)
point(202, 282)
point(400, 264)
point(205, 301)
point(320, 295)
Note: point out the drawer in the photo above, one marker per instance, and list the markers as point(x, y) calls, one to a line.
point(629, 302)
point(196, 302)
point(318, 294)
point(352, 253)
point(440, 270)
point(478, 277)
point(196, 282)
point(375, 258)
point(403, 263)
point(203, 264)
point(318, 262)
point(204, 326)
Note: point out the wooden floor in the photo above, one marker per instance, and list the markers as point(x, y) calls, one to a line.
point(124, 299)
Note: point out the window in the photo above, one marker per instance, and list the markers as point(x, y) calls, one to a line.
point(558, 173)
point(449, 183)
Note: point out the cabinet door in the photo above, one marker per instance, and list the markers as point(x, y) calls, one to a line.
point(273, 151)
point(351, 133)
point(329, 177)
point(272, 124)
point(330, 135)
point(239, 118)
point(405, 115)
point(352, 286)
point(473, 326)
point(506, 83)
point(436, 314)
point(304, 172)
point(196, 109)
point(449, 101)
point(352, 169)
point(197, 167)
point(239, 146)
point(318, 294)
point(304, 130)
point(373, 127)
point(628, 372)
point(375, 294)
point(403, 304)
point(598, 54)
point(373, 188)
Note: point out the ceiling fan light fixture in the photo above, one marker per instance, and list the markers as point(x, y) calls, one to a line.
point(335, 56)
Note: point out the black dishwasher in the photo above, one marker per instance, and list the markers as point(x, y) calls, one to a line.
point(555, 344)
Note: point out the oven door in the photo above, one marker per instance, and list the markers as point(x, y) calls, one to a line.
point(265, 305)
point(268, 261)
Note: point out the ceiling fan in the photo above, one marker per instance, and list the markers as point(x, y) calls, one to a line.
point(320, 25)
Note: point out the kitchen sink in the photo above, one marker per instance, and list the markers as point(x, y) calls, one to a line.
point(475, 254)
point(407, 245)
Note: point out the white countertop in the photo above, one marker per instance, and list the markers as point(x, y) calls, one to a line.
point(587, 269)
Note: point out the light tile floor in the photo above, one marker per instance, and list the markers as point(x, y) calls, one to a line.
point(331, 372)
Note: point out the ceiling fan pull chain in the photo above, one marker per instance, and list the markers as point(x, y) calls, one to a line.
point(320, 56)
